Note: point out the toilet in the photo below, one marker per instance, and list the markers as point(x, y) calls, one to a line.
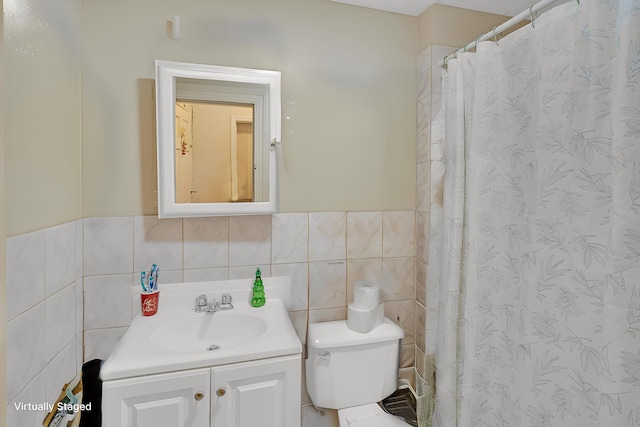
point(351, 371)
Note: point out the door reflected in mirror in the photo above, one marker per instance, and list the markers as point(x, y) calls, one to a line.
point(214, 152)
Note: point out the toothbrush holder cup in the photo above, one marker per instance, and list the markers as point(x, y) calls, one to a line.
point(149, 302)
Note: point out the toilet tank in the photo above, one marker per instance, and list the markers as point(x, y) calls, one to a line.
point(347, 368)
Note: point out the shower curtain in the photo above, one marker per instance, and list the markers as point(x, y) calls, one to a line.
point(534, 256)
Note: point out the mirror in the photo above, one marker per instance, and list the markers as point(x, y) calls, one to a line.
point(217, 129)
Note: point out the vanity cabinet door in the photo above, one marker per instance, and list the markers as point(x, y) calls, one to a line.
point(176, 399)
point(263, 393)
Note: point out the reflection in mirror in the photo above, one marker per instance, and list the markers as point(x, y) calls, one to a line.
point(217, 131)
point(215, 152)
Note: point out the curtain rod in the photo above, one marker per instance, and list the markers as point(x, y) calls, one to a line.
point(527, 14)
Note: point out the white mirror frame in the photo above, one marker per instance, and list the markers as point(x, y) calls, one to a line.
point(166, 74)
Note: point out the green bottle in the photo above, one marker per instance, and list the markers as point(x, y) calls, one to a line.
point(257, 298)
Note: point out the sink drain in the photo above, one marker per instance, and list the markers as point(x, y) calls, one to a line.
point(213, 347)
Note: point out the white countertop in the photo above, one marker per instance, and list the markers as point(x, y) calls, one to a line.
point(138, 354)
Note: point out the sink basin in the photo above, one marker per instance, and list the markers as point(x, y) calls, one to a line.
point(179, 338)
point(193, 332)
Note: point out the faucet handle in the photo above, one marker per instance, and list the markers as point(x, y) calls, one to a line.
point(226, 299)
point(201, 301)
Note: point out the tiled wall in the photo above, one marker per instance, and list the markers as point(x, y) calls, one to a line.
point(429, 99)
point(44, 317)
point(324, 252)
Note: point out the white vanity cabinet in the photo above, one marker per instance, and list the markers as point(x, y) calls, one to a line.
point(238, 367)
point(263, 393)
point(177, 399)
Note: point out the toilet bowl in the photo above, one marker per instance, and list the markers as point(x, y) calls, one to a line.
point(351, 371)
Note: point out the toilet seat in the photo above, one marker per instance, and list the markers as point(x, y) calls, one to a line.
point(369, 415)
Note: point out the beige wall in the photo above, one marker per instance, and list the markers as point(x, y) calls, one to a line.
point(453, 26)
point(42, 113)
point(348, 92)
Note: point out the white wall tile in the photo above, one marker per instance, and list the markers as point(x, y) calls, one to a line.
point(61, 370)
point(34, 392)
point(25, 272)
point(299, 322)
point(423, 187)
point(364, 234)
point(290, 237)
point(60, 320)
point(249, 271)
point(25, 348)
point(206, 274)
point(164, 276)
point(423, 113)
point(79, 249)
point(327, 314)
point(299, 273)
point(108, 245)
point(157, 241)
point(398, 278)
point(79, 351)
point(327, 236)
point(79, 306)
point(60, 256)
point(424, 84)
point(423, 60)
point(99, 343)
point(422, 237)
point(107, 301)
point(206, 242)
point(436, 80)
point(327, 284)
point(398, 233)
point(421, 282)
point(434, 109)
point(403, 314)
point(424, 142)
point(249, 240)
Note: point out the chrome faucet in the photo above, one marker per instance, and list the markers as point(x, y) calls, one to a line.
point(203, 305)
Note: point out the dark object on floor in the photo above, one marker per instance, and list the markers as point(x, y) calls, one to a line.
point(402, 403)
point(92, 393)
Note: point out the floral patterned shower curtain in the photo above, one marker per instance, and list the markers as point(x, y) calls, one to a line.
point(534, 270)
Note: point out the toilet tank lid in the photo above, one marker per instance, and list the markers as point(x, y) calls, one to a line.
point(337, 334)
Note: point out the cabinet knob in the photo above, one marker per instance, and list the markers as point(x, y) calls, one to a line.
point(221, 391)
point(199, 395)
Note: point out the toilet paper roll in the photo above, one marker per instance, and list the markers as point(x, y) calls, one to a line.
point(366, 295)
point(364, 321)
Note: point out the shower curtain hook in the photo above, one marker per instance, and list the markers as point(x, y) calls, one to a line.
point(531, 15)
point(495, 38)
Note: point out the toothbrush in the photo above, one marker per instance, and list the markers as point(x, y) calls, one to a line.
point(152, 274)
point(142, 277)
